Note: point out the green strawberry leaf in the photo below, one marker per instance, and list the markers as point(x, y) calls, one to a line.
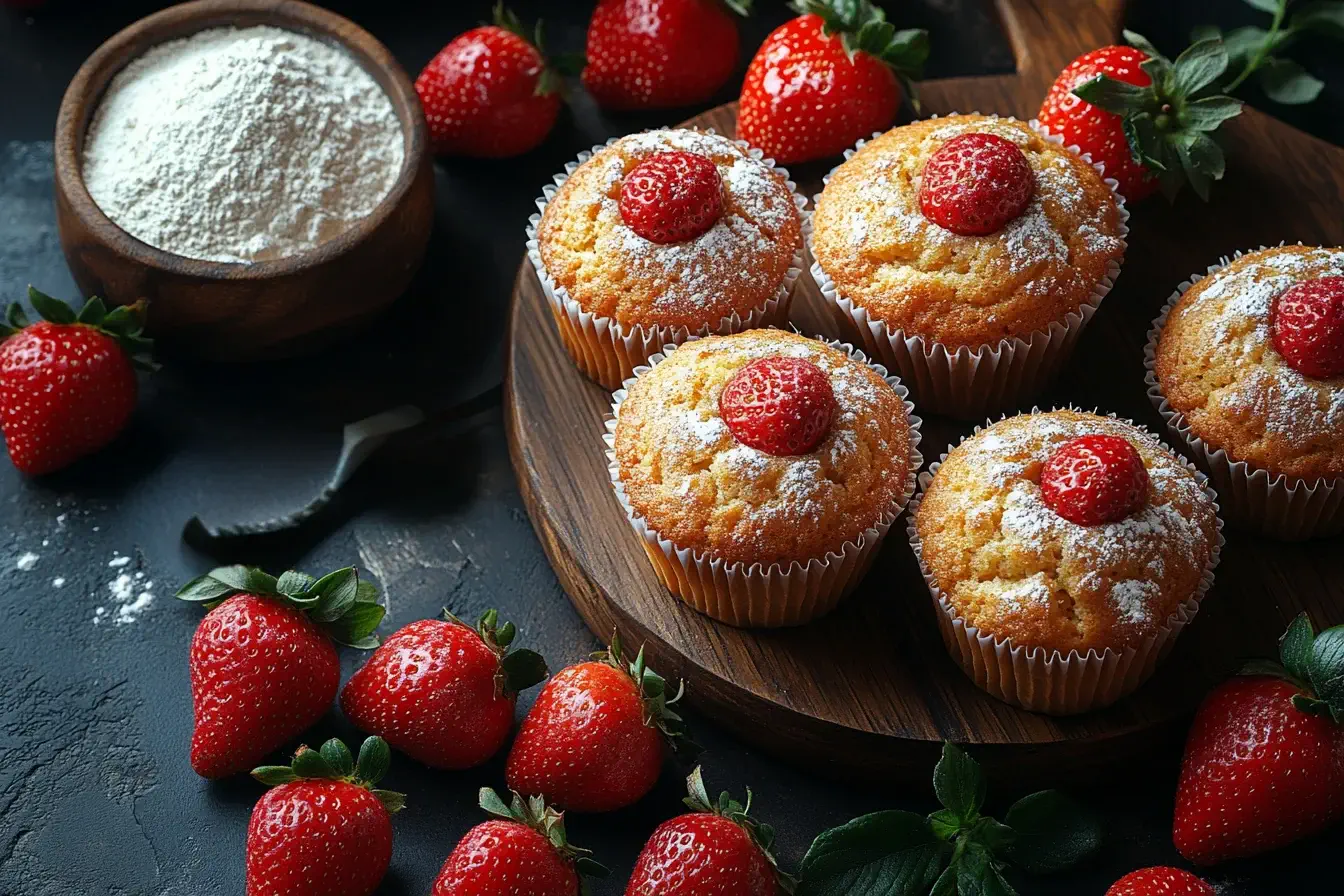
point(1284, 81)
point(275, 775)
point(991, 834)
point(1208, 113)
point(245, 579)
point(294, 583)
point(204, 590)
point(1199, 66)
point(51, 309)
point(945, 824)
point(392, 801)
point(523, 669)
point(94, 312)
point(1052, 832)
point(493, 804)
point(1114, 95)
point(337, 591)
point(374, 759)
point(1326, 667)
point(890, 853)
point(959, 783)
point(978, 874)
point(312, 764)
point(1295, 648)
point(1325, 17)
point(337, 755)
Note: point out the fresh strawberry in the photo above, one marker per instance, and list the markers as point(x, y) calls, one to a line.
point(671, 197)
point(525, 851)
point(595, 739)
point(67, 382)
point(263, 666)
point(1160, 882)
point(718, 850)
point(659, 54)
point(975, 184)
point(778, 405)
point(1093, 130)
point(1308, 322)
point(322, 829)
point(442, 692)
point(1264, 762)
point(490, 92)
point(1094, 479)
point(824, 80)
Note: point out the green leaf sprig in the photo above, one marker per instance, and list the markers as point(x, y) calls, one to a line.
point(956, 851)
point(535, 814)
point(863, 27)
point(1314, 663)
point(334, 762)
point(1258, 52)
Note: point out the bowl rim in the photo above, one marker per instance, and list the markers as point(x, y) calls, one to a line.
point(86, 90)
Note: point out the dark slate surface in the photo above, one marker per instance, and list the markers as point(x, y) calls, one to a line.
point(95, 793)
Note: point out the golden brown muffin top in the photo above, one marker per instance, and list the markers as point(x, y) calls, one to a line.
point(872, 239)
point(697, 486)
point(734, 267)
point(1217, 365)
point(1015, 569)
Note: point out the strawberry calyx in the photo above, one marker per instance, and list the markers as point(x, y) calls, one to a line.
point(659, 709)
point(863, 28)
point(533, 813)
point(334, 762)
point(555, 68)
point(1313, 663)
point(518, 669)
point(763, 835)
point(346, 608)
point(125, 323)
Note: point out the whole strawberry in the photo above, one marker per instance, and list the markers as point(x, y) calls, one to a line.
point(442, 692)
point(659, 54)
point(490, 92)
point(263, 664)
point(1264, 761)
point(782, 406)
point(322, 829)
point(975, 184)
point(1094, 479)
point(524, 851)
point(821, 82)
point(1160, 882)
point(67, 382)
point(596, 737)
point(718, 850)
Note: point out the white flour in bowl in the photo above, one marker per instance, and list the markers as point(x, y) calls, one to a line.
point(242, 145)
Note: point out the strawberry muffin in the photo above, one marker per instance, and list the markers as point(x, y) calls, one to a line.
point(1247, 366)
point(1065, 552)
point(762, 471)
point(967, 253)
point(661, 236)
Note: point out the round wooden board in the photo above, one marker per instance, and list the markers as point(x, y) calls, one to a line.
point(870, 690)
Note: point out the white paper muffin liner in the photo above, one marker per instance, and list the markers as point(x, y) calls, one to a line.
point(607, 351)
point(1270, 504)
point(962, 381)
point(757, 595)
point(1051, 681)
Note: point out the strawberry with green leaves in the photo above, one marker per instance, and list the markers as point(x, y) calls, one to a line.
point(263, 661)
point(956, 851)
point(68, 382)
point(1264, 761)
point(323, 829)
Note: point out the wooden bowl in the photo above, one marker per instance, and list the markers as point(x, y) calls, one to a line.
point(268, 309)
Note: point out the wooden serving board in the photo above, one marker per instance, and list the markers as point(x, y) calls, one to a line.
point(870, 690)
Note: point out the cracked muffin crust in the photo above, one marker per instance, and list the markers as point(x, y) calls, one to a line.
point(1217, 366)
point(1016, 570)
point(697, 486)
point(873, 241)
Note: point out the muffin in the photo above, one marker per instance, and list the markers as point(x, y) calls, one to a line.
point(1246, 365)
point(660, 236)
point(1065, 551)
point(762, 471)
point(967, 253)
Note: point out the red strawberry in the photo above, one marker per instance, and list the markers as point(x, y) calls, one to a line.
point(975, 184)
point(1092, 129)
point(824, 80)
point(489, 93)
point(322, 830)
point(441, 692)
point(672, 197)
point(525, 852)
point(263, 667)
point(1264, 761)
point(1160, 882)
point(67, 382)
point(658, 54)
point(781, 406)
point(719, 850)
point(595, 739)
point(1308, 324)
point(1094, 479)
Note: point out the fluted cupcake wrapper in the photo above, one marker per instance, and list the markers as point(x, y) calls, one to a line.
point(1255, 499)
point(608, 352)
point(758, 595)
point(1051, 681)
point(968, 382)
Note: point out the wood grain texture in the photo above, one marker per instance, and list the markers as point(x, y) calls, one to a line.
point(870, 690)
point(235, 312)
